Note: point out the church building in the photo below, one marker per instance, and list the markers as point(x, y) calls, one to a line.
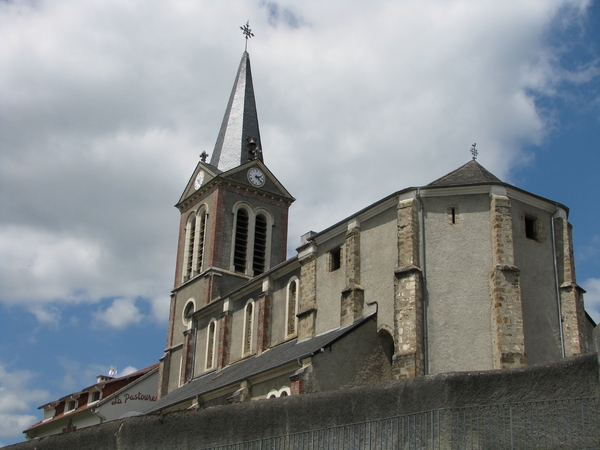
point(467, 273)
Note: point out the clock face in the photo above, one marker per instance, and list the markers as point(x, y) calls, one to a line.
point(199, 180)
point(256, 177)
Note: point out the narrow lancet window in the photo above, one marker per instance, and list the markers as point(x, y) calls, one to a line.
point(241, 241)
point(248, 330)
point(260, 244)
point(292, 305)
point(210, 346)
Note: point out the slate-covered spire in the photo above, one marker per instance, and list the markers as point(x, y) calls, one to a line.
point(239, 124)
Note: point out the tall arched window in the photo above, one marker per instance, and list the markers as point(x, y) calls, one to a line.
point(248, 325)
point(260, 244)
point(191, 237)
point(292, 307)
point(211, 345)
point(241, 241)
point(251, 244)
point(201, 232)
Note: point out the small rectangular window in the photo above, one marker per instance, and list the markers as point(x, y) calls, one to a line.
point(531, 227)
point(335, 259)
point(453, 215)
point(70, 406)
point(94, 397)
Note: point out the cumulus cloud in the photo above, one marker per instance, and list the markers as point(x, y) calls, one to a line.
point(16, 399)
point(121, 313)
point(78, 376)
point(127, 370)
point(107, 105)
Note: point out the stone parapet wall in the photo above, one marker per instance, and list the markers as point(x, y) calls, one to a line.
point(570, 378)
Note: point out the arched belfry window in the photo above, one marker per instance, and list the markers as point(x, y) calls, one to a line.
point(292, 307)
point(211, 345)
point(260, 244)
point(251, 244)
point(195, 243)
point(248, 325)
point(241, 241)
point(190, 241)
point(201, 230)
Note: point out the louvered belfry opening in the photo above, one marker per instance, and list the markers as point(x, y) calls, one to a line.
point(192, 238)
point(201, 242)
point(260, 244)
point(241, 241)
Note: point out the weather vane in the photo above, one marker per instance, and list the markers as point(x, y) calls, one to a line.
point(247, 32)
point(474, 151)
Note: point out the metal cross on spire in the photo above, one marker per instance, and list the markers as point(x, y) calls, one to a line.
point(247, 32)
point(474, 151)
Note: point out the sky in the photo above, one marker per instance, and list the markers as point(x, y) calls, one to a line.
point(106, 105)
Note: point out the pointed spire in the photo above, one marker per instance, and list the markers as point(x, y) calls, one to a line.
point(239, 137)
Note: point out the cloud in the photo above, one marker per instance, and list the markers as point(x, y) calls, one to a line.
point(78, 376)
point(127, 370)
point(120, 314)
point(107, 105)
point(277, 15)
point(16, 399)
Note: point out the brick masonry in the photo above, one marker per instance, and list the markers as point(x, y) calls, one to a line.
point(264, 321)
point(224, 339)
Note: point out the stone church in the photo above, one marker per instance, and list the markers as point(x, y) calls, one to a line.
point(467, 273)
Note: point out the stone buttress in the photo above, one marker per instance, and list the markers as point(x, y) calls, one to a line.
point(571, 295)
point(353, 294)
point(408, 359)
point(508, 340)
point(307, 308)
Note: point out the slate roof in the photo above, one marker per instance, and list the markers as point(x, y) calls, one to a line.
point(241, 370)
point(239, 123)
point(470, 173)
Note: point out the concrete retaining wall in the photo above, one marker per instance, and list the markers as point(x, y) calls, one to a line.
point(570, 378)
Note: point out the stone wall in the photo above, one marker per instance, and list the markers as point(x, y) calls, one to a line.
point(569, 378)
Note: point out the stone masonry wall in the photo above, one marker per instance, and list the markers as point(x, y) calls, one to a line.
point(353, 294)
point(571, 295)
point(508, 340)
point(569, 378)
point(408, 359)
point(307, 307)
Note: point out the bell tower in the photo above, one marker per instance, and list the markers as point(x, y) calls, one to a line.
point(233, 225)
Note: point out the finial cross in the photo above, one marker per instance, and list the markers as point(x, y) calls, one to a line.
point(203, 156)
point(474, 151)
point(247, 32)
